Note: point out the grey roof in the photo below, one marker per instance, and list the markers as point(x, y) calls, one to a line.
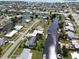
point(70, 34)
point(32, 41)
point(26, 54)
point(2, 41)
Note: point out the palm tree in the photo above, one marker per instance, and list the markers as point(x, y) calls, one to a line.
point(0, 51)
point(65, 51)
point(36, 16)
point(31, 17)
point(14, 20)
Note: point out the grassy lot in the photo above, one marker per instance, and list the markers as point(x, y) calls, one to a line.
point(36, 54)
point(13, 38)
point(76, 27)
point(77, 31)
point(5, 32)
point(5, 45)
point(17, 53)
point(2, 34)
point(69, 56)
point(65, 41)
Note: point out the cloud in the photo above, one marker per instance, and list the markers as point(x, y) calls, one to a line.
point(42, 0)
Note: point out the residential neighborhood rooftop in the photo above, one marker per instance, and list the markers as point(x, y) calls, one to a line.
point(26, 53)
point(11, 33)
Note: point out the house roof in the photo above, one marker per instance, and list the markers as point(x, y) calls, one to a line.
point(70, 34)
point(18, 27)
point(35, 33)
point(26, 54)
point(67, 21)
point(75, 43)
point(69, 28)
point(11, 33)
point(70, 24)
point(28, 20)
point(45, 17)
point(4, 21)
point(1, 41)
point(32, 41)
point(75, 55)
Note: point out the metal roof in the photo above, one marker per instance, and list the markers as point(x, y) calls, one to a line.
point(11, 33)
point(18, 27)
point(26, 54)
point(2, 41)
point(32, 41)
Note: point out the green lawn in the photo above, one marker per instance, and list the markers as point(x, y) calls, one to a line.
point(2, 34)
point(36, 54)
point(68, 57)
point(77, 31)
point(76, 27)
point(17, 52)
point(13, 38)
point(65, 41)
point(5, 45)
point(5, 32)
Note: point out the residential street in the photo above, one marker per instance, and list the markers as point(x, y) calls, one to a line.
point(8, 52)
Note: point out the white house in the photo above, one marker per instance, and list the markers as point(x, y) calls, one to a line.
point(69, 28)
point(18, 27)
point(28, 20)
point(75, 55)
point(35, 33)
point(26, 54)
point(75, 43)
point(70, 35)
point(9, 35)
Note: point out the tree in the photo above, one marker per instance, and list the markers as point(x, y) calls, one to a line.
point(36, 16)
point(14, 20)
point(65, 51)
point(53, 16)
point(31, 17)
point(59, 51)
point(70, 16)
point(61, 24)
point(63, 34)
point(20, 19)
point(39, 43)
point(0, 51)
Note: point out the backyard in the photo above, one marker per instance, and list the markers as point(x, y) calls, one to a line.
point(36, 54)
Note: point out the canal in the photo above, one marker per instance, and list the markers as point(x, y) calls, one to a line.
point(51, 42)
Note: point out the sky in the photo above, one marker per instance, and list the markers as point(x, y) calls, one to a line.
point(42, 0)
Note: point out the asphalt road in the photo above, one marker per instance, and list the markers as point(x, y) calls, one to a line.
point(9, 51)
